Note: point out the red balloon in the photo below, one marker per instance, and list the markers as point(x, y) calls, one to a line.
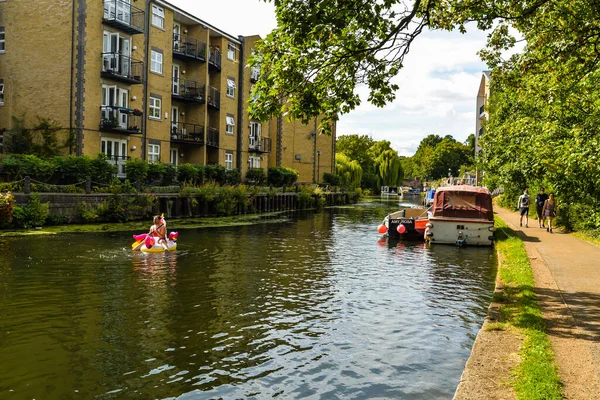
point(381, 229)
point(401, 229)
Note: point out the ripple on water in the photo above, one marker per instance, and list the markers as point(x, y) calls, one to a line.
point(313, 308)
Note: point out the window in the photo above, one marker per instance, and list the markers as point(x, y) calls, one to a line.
point(229, 161)
point(158, 17)
point(155, 104)
point(231, 50)
point(156, 62)
point(229, 124)
point(2, 39)
point(230, 87)
point(255, 133)
point(253, 162)
point(1, 91)
point(153, 153)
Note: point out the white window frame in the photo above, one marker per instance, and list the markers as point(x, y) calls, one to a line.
point(229, 161)
point(154, 153)
point(154, 108)
point(158, 16)
point(254, 162)
point(255, 134)
point(1, 91)
point(156, 63)
point(2, 39)
point(231, 51)
point(229, 124)
point(231, 87)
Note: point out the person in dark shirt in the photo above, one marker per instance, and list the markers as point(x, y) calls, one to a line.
point(540, 199)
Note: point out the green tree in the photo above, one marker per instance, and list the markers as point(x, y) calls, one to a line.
point(388, 169)
point(349, 171)
point(356, 148)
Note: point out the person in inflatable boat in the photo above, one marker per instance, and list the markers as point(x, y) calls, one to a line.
point(159, 230)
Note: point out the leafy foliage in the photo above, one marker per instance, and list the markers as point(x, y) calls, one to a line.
point(349, 171)
point(7, 205)
point(388, 169)
point(278, 176)
point(256, 176)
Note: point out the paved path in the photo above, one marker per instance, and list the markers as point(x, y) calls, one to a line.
point(567, 280)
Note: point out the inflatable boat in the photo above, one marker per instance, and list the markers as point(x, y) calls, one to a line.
point(149, 244)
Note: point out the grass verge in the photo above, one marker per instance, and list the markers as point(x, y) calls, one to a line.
point(587, 238)
point(536, 376)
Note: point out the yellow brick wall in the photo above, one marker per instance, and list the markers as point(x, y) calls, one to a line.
point(38, 46)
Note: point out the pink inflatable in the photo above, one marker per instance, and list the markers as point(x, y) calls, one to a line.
point(173, 236)
point(149, 242)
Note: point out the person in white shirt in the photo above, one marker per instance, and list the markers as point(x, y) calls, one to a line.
point(523, 207)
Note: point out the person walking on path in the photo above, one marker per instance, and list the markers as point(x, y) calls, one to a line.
point(550, 210)
point(540, 199)
point(523, 206)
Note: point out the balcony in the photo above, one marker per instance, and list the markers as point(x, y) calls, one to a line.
point(188, 48)
point(122, 68)
point(212, 137)
point(214, 60)
point(189, 91)
point(214, 98)
point(124, 16)
point(259, 145)
point(120, 120)
point(254, 74)
point(187, 133)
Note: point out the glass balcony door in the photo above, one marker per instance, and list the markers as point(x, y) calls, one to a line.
point(116, 151)
point(255, 133)
point(116, 53)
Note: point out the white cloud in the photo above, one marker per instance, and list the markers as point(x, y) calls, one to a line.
point(438, 84)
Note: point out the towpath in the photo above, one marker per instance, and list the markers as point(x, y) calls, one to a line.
point(567, 280)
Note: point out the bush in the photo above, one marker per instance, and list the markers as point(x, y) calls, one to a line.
point(278, 176)
point(101, 170)
point(7, 206)
point(256, 176)
point(215, 173)
point(71, 169)
point(169, 176)
point(331, 179)
point(233, 177)
point(136, 170)
point(187, 173)
point(155, 173)
point(33, 214)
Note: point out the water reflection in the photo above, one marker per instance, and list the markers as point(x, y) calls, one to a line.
point(316, 307)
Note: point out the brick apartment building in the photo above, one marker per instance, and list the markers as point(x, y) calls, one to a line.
point(144, 79)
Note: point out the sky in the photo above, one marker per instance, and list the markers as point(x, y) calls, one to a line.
point(438, 84)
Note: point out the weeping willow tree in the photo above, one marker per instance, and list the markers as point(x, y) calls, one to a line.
point(388, 169)
point(349, 171)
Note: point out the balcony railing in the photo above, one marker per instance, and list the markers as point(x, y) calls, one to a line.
point(254, 74)
point(214, 59)
point(212, 137)
point(214, 98)
point(187, 90)
point(187, 47)
point(120, 119)
point(260, 144)
point(122, 68)
point(183, 132)
point(124, 16)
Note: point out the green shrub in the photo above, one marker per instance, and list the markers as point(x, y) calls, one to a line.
point(33, 214)
point(155, 173)
point(215, 173)
point(278, 176)
point(331, 179)
point(169, 176)
point(232, 177)
point(136, 170)
point(12, 167)
point(201, 179)
point(7, 206)
point(101, 170)
point(187, 173)
point(256, 176)
point(71, 169)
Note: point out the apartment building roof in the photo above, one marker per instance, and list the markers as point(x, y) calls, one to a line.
point(182, 14)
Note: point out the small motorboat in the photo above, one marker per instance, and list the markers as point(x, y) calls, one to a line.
point(407, 224)
point(149, 244)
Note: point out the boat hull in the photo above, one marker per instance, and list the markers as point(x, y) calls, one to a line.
point(460, 231)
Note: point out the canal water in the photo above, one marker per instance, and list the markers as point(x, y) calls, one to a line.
point(315, 307)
